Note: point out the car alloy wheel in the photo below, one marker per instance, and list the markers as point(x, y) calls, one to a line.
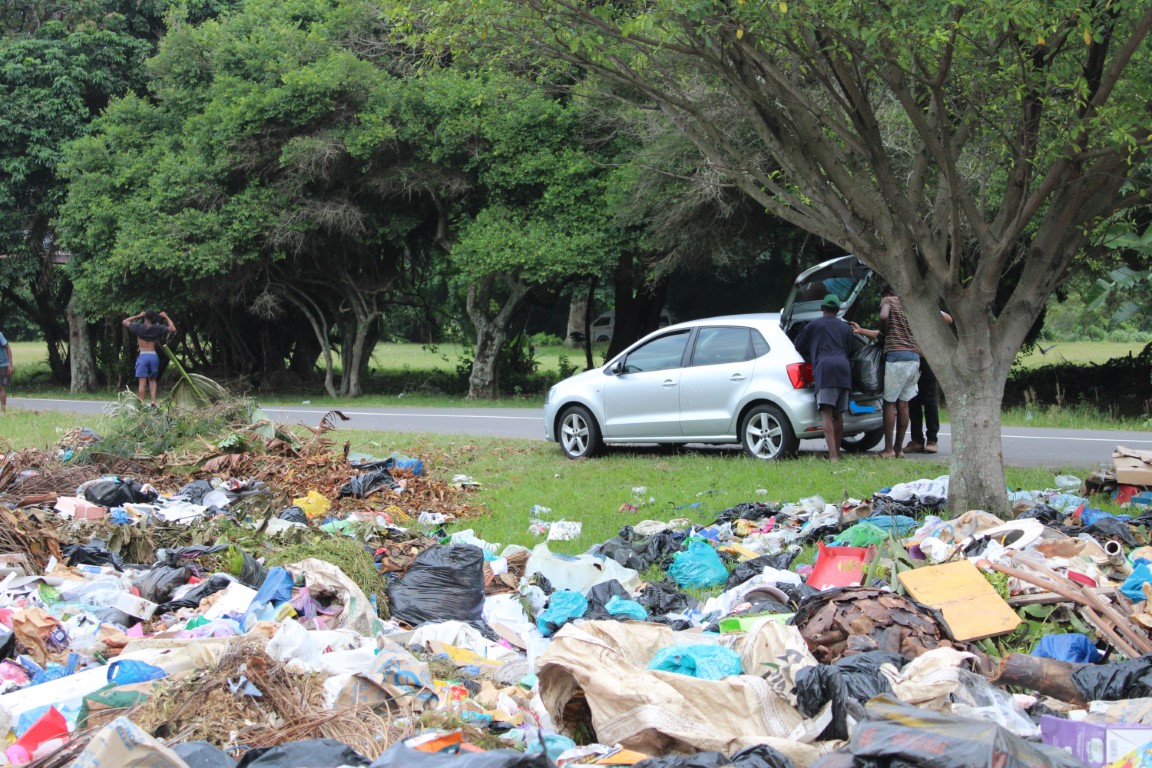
point(767, 434)
point(579, 434)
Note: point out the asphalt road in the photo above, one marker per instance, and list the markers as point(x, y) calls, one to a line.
point(1023, 446)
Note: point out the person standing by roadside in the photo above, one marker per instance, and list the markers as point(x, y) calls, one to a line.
point(826, 342)
point(901, 369)
point(5, 372)
point(924, 409)
point(147, 334)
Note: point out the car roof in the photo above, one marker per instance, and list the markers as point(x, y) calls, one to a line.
point(757, 319)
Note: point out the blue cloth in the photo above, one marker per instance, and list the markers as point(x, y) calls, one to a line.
point(1067, 647)
point(1132, 586)
point(147, 365)
point(706, 662)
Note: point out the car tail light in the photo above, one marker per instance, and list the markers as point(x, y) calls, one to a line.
point(800, 374)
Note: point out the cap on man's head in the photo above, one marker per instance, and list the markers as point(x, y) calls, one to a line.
point(831, 301)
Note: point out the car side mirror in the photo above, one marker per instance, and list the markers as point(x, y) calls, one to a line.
point(617, 368)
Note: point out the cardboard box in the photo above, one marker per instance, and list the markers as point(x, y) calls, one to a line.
point(1095, 744)
point(128, 603)
point(1132, 467)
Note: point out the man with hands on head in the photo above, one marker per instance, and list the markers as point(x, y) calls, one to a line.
point(148, 330)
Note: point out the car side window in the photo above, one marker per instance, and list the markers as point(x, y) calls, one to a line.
point(715, 346)
point(760, 347)
point(657, 355)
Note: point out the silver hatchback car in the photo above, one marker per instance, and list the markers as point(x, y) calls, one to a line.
point(721, 380)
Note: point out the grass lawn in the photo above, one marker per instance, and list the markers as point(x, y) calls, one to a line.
point(518, 474)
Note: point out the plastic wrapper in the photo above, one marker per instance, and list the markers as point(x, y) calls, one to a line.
point(192, 598)
point(367, 483)
point(201, 754)
point(314, 753)
point(759, 756)
point(563, 606)
point(868, 369)
point(130, 672)
point(847, 684)
point(698, 567)
point(781, 561)
point(442, 584)
point(401, 756)
point(706, 662)
point(599, 596)
point(158, 584)
point(247, 569)
point(1067, 647)
point(661, 598)
point(897, 734)
point(1109, 527)
point(87, 554)
point(975, 697)
point(619, 607)
point(1128, 679)
point(115, 492)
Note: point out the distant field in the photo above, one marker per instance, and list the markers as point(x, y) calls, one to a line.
point(1079, 352)
point(398, 357)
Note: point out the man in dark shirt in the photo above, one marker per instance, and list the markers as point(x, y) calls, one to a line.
point(147, 334)
point(826, 342)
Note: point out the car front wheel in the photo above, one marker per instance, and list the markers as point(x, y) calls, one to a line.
point(766, 434)
point(579, 433)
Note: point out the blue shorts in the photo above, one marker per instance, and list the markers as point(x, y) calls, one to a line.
point(147, 365)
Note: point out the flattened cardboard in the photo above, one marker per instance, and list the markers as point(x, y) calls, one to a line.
point(970, 605)
point(1132, 467)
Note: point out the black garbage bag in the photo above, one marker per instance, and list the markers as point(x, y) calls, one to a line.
point(1042, 512)
point(116, 492)
point(1108, 527)
point(158, 584)
point(367, 483)
point(661, 597)
point(294, 515)
point(87, 554)
point(897, 735)
point(1116, 680)
point(761, 756)
point(401, 756)
point(310, 753)
point(848, 683)
point(442, 584)
point(747, 510)
point(868, 369)
point(201, 754)
point(638, 552)
point(195, 491)
point(598, 597)
point(749, 568)
point(797, 593)
point(192, 598)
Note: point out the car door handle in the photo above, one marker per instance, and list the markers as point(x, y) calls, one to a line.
point(668, 383)
point(736, 377)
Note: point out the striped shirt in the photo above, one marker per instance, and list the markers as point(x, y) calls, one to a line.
point(898, 335)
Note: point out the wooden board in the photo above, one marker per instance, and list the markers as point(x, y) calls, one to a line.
point(971, 607)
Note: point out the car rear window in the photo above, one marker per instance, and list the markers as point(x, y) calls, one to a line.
point(715, 346)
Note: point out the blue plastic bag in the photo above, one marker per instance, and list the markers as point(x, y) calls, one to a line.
point(1132, 586)
point(618, 606)
point(699, 567)
point(1068, 647)
point(898, 524)
point(563, 606)
point(276, 588)
point(706, 662)
point(130, 672)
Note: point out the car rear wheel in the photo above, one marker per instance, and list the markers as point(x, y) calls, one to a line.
point(579, 433)
point(766, 434)
point(864, 441)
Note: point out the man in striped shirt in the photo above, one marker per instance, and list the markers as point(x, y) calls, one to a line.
point(901, 371)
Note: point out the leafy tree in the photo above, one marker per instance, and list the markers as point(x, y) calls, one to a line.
point(950, 145)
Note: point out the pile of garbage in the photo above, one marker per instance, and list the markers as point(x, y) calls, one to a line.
point(311, 608)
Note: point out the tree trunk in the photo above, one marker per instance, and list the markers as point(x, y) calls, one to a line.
point(354, 363)
point(577, 311)
point(484, 381)
point(315, 316)
point(80, 358)
point(491, 332)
